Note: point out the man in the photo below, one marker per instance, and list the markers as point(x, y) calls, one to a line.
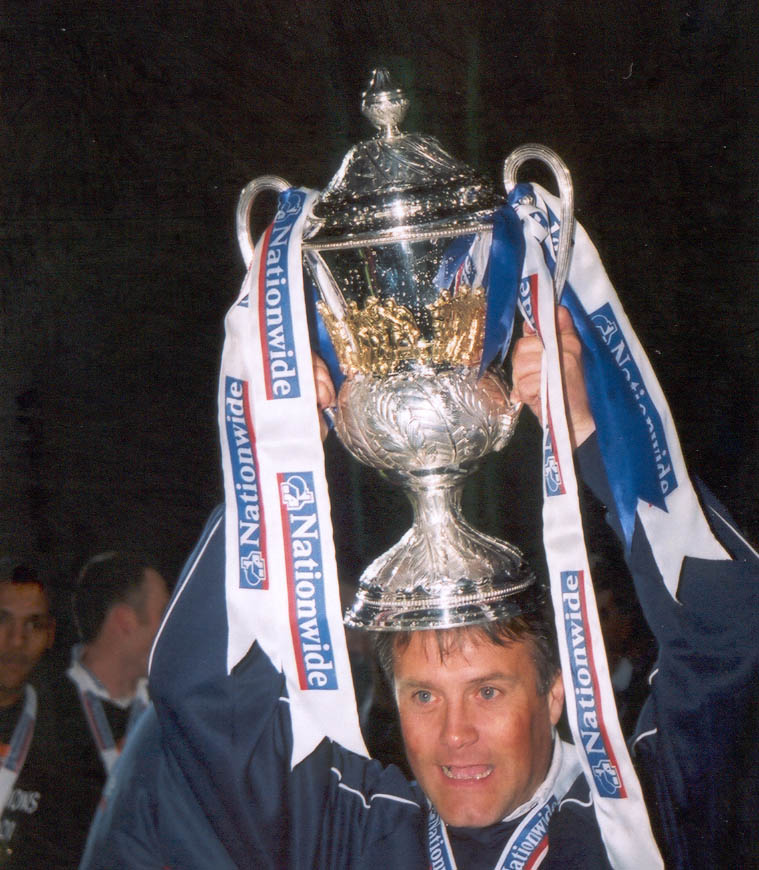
point(118, 603)
point(207, 781)
point(27, 631)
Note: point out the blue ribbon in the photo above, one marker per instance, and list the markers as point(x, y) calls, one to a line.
point(623, 434)
point(455, 254)
point(502, 279)
point(624, 438)
point(318, 334)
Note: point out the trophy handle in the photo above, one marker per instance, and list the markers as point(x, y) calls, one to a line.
point(566, 195)
point(244, 205)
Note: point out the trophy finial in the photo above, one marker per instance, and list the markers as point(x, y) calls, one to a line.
point(383, 104)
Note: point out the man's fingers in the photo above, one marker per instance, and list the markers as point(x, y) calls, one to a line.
point(326, 397)
point(564, 322)
point(526, 371)
point(325, 389)
point(527, 328)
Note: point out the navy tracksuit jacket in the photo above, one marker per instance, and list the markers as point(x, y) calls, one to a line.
point(205, 782)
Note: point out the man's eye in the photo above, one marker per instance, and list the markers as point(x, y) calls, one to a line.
point(423, 696)
point(488, 692)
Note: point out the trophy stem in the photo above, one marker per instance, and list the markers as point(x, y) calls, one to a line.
point(442, 571)
point(438, 521)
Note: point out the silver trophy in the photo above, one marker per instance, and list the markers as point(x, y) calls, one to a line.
point(398, 247)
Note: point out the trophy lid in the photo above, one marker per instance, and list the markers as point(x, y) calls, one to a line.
point(398, 185)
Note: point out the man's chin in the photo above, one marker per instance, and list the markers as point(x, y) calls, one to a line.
point(14, 680)
point(468, 816)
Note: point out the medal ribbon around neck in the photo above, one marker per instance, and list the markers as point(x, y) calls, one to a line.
point(19, 746)
point(90, 698)
point(528, 845)
point(525, 849)
point(102, 734)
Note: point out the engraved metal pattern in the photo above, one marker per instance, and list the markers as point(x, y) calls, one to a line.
point(423, 420)
point(428, 428)
point(442, 572)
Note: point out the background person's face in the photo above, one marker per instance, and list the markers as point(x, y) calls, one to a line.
point(477, 733)
point(26, 631)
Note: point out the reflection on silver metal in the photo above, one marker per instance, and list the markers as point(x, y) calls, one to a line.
point(244, 205)
point(413, 404)
point(427, 428)
point(384, 105)
point(397, 183)
point(566, 195)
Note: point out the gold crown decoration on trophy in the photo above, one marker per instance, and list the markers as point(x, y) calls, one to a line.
point(399, 249)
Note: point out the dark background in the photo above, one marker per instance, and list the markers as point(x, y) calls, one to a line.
point(129, 130)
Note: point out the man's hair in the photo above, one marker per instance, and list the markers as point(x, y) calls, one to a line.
point(110, 578)
point(534, 625)
point(16, 571)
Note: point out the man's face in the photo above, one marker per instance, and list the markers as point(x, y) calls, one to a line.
point(477, 733)
point(26, 631)
point(151, 613)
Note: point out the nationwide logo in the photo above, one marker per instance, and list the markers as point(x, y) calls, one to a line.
point(554, 231)
point(275, 317)
point(554, 485)
point(305, 582)
point(540, 219)
point(590, 723)
point(528, 298)
point(437, 846)
point(242, 455)
point(613, 337)
point(532, 844)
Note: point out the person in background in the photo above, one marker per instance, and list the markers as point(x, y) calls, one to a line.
point(27, 798)
point(118, 602)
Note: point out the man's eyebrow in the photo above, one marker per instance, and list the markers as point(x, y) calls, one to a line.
point(494, 677)
point(32, 614)
point(413, 684)
point(491, 677)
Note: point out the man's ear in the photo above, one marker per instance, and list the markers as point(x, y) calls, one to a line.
point(556, 698)
point(124, 617)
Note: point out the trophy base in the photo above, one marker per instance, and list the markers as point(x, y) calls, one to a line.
point(442, 573)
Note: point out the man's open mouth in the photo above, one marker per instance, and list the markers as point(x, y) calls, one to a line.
point(469, 772)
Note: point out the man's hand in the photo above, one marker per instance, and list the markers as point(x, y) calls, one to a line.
point(526, 363)
point(325, 391)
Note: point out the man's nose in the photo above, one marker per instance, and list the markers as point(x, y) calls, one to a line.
point(458, 727)
point(16, 634)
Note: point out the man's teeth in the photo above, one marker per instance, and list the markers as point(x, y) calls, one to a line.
point(479, 771)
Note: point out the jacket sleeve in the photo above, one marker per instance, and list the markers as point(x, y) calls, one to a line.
point(689, 737)
point(213, 722)
point(227, 739)
point(148, 818)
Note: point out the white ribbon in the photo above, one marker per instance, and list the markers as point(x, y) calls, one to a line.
point(19, 746)
point(618, 800)
point(281, 573)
